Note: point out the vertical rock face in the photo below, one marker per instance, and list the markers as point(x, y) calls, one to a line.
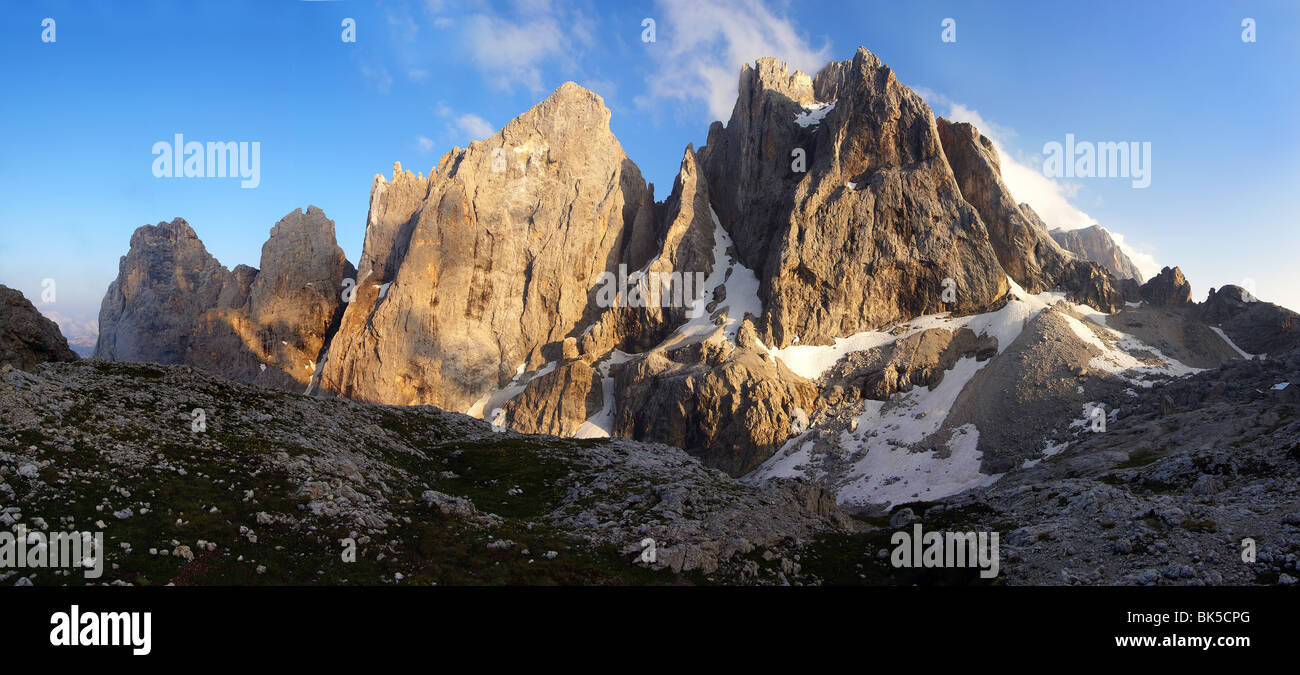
point(1095, 243)
point(1034, 219)
point(499, 264)
point(682, 243)
point(26, 337)
point(164, 284)
point(868, 234)
point(296, 298)
point(173, 303)
point(1024, 249)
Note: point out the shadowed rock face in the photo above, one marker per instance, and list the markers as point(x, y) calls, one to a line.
point(26, 337)
point(681, 241)
point(1168, 289)
point(164, 284)
point(173, 303)
point(1095, 244)
point(500, 262)
point(1023, 250)
point(864, 238)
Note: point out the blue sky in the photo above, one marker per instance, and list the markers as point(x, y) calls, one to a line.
point(80, 115)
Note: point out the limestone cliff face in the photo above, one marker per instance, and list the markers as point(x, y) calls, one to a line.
point(1024, 249)
point(681, 241)
point(500, 260)
point(867, 235)
point(1034, 219)
point(164, 284)
point(26, 337)
point(1095, 243)
point(173, 303)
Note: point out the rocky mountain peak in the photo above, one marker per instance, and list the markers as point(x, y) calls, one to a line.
point(493, 267)
point(1169, 288)
point(771, 76)
point(173, 303)
point(1095, 243)
point(822, 198)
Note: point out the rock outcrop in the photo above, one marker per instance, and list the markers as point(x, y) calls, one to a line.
point(1257, 327)
point(173, 303)
point(556, 403)
point(865, 236)
point(731, 406)
point(916, 360)
point(1168, 289)
point(26, 337)
point(1095, 243)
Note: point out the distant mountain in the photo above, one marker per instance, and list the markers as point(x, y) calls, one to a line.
point(173, 303)
point(1094, 243)
point(81, 331)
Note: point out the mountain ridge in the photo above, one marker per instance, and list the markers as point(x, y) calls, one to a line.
point(855, 249)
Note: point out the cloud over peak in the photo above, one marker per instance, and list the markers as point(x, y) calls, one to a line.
point(701, 45)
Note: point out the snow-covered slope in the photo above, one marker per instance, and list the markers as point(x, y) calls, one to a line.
point(899, 450)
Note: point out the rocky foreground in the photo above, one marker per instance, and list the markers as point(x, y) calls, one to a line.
point(271, 487)
point(266, 489)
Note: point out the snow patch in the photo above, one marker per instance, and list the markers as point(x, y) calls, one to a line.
point(741, 286)
point(601, 425)
point(1219, 331)
point(813, 114)
point(497, 399)
point(884, 469)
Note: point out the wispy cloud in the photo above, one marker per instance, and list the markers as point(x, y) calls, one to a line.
point(512, 51)
point(424, 143)
point(462, 127)
point(378, 76)
point(701, 45)
point(475, 127)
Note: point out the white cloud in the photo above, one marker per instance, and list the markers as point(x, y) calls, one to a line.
point(460, 128)
point(1145, 262)
point(424, 143)
point(1050, 198)
point(475, 127)
point(701, 45)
